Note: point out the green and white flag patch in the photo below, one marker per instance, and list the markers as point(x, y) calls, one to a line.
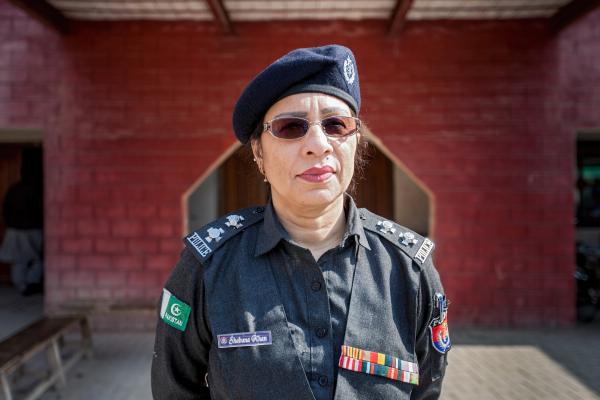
point(174, 311)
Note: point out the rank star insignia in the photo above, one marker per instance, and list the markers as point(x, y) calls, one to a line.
point(386, 227)
point(214, 234)
point(234, 221)
point(408, 239)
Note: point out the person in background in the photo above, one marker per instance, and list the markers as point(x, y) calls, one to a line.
point(308, 297)
point(23, 216)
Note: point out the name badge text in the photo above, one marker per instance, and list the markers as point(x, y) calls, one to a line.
point(244, 339)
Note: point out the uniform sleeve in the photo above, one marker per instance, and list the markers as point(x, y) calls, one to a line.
point(432, 363)
point(180, 356)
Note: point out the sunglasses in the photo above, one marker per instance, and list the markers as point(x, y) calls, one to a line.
point(292, 128)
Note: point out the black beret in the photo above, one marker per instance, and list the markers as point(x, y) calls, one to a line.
point(327, 69)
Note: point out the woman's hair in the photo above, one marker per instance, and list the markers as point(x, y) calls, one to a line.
point(360, 158)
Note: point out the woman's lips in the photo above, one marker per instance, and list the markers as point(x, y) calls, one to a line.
point(317, 174)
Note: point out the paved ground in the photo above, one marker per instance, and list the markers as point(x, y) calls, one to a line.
point(525, 364)
point(484, 364)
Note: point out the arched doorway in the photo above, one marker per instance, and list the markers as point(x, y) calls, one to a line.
point(385, 187)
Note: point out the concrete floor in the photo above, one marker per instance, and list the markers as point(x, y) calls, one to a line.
point(524, 364)
point(483, 364)
point(118, 370)
point(17, 311)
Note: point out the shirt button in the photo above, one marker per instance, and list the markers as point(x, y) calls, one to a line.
point(323, 380)
point(316, 286)
point(321, 332)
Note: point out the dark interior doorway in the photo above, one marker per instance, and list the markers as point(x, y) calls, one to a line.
point(375, 186)
point(587, 228)
point(240, 183)
point(17, 159)
point(587, 190)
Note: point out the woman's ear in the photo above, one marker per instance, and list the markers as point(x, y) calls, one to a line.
point(359, 139)
point(256, 149)
point(257, 152)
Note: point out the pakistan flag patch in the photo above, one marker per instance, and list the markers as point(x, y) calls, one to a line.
point(174, 311)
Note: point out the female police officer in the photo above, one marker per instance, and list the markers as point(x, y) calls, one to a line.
point(308, 297)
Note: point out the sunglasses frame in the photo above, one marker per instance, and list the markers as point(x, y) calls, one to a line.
point(267, 126)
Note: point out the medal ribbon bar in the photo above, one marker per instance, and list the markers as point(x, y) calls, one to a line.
point(381, 364)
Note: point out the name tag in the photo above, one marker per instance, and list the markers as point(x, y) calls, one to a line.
point(244, 339)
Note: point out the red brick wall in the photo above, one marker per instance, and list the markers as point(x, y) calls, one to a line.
point(134, 113)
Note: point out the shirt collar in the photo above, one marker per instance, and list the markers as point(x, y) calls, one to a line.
point(354, 225)
point(271, 232)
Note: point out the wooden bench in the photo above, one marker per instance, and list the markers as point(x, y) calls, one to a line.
point(45, 334)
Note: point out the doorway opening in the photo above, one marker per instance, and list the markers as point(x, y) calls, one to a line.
point(21, 152)
point(21, 196)
point(587, 226)
point(232, 184)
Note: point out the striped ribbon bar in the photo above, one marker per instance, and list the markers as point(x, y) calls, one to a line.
point(381, 364)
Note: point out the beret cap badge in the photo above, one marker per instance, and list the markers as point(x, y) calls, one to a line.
point(349, 70)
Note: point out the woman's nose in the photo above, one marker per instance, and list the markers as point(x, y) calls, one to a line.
point(316, 141)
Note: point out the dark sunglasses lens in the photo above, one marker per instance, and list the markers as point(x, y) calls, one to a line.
point(289, 128)
point(339, 126)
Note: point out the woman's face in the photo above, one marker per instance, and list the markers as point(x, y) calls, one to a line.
point(314, 170)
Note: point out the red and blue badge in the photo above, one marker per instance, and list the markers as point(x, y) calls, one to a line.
point(440, 337)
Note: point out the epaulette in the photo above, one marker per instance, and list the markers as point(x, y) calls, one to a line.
point(204, 241)
point(414, 245)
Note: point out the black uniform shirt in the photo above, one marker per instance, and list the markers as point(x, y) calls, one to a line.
point(316, 294)
point(242, 273)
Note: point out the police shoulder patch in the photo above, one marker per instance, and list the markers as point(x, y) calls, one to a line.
point(414, 245)
point(204, 241)
point(440, 337)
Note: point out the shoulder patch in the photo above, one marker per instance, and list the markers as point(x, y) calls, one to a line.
point(414, 245)
point(204, 241)
point(174, 311)
point(440, 338)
